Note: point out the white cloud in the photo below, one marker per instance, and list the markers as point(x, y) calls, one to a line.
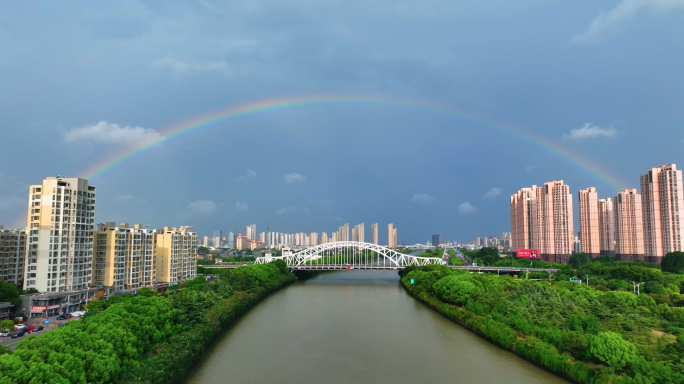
point(466, 209)
point(203, 207)
point(589, 131)
point(285, 210)
point(422, 198)
point(494, 192)
point(292, 177)
point(105, 132)
point(239, 206)
point(625, 11)
point(123, 198)
point(530, 167)
point(10, 202)
point(186, 67)
point(249, 174)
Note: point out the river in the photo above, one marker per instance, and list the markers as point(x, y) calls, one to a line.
point(355, 327)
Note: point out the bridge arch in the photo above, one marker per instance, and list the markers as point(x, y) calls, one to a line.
point(352, 253)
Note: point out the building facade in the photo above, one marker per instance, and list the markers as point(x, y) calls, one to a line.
point(374, 234)
point(391, 236)
point(251, 232)
point(663, 211)
point(176, 256)
point(359, 233)
point(61, 217)
point(606, 227)
point(436, 239)
point(12, 255)
point(589, 234)
point(124, 256)
point(628, 227)
point(541, 218)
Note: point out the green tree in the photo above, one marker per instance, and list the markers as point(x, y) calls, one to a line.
point(7, 324)
point(577, 260)
point(5, 350)
point(611, 349)
point(673, 262)
point(203, 250)
point(30, 291)
point(456, 289)
point(10, 293)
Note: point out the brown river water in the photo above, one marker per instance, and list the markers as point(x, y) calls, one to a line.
point(358, 327)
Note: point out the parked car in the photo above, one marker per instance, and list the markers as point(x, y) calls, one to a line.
point(39, 328)
point(62, 317)
point(19, 326)
point(18, 333)
point(4, 333)
point(77, 313)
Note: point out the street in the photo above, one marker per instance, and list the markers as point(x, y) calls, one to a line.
point(12, 343)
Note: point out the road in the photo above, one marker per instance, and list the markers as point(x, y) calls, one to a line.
point(12, 343)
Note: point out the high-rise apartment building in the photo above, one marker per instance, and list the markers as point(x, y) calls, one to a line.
point(589, 234)
point(231, 240)
point(628, 227)
point(124, 256)
point(217, 238)
point(663, 211)
point(206, 242)
point(391, 236)
point(541, 218)
point(522, 219)
point(374, 234)
point(343, 233)
point(61, 217)
point(436, 239)
point(251, 232)
point(12, 256)
point(606, 227)
point(313, 239)
point(242, 242)
point(324, 238)
point(359, 233)
point(176, 257)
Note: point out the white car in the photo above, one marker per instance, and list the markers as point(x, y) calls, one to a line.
point(20, 326)
point(77, 313)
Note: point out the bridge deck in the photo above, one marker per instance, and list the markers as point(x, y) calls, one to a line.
point(333, 267)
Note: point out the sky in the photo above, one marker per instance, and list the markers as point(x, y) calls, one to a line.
point(479, 99)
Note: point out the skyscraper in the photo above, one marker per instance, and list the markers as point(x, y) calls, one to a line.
point(374, 234)
point(663, 211)
point(436, 239)
point(176, 258)
point(217, 238)
point(541, 218)
point(313, 239)
point(391, 236)
point(61, 215)
point(589, 234)
point(251, 232)
point(359, 233)
point(606, 226)
point(343, 233)
point(231, 240)
point(324, 238)
point(629, 235)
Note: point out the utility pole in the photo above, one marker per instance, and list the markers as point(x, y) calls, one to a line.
point(637, 291)
point(587, 280)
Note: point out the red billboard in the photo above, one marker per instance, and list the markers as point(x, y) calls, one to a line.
point(529, 253)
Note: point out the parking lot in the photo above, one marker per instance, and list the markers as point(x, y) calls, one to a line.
point(53, 324)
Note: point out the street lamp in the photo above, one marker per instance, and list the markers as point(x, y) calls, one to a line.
point(636, 287)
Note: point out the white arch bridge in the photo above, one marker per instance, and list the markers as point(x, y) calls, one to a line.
point(350, 255)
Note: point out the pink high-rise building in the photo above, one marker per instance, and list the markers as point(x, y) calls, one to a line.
point(663, 211)
point(541, 218)
point(589, 222)
point(629, 229)
point(606, 226)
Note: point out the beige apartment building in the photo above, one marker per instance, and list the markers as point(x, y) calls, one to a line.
point(176, 258)
point(541, 218)
point(124, 256)
point(391, 236)
point(12, 255)
point(589, 237)
point(324, 238)
point(313, 239)
point(359, 233)
point(61, 217)
point(242, 242)
point(374, 234)
point(663, 211)
point(606, 226)
point(629, 229)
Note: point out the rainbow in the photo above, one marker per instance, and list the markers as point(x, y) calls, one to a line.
point(233, 113)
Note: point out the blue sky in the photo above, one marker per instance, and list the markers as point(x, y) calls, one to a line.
point(80, 81)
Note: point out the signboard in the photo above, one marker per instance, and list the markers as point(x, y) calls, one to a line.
point(42, 308)
point(100, 293)
point(528, 253)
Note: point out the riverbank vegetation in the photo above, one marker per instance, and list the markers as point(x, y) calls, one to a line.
point(587, 334)
point(146, 338)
